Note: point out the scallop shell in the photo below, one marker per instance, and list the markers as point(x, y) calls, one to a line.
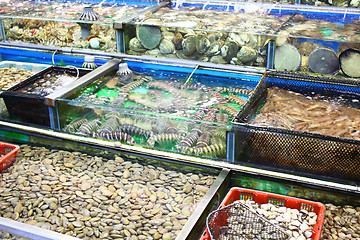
point(149, 36)
point(287, 57)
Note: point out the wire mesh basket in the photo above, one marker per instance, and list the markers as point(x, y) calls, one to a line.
point(239, 221)
point(272, 144)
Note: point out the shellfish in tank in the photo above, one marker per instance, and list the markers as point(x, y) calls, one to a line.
point(215, 36)
point(149, 36)
point(217, 59)
point(287, 57)
point(189, 45)
point(166, 46)
point(135, 45)
point(202, 43)
point(229, 50)
point(215, 48)
point(177, 40)
point(180, 54)
point(247, 55)
point(349, 62)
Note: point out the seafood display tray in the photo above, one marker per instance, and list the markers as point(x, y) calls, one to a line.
point(8, 154)
point(31, 108)
point(237, 193)
point(271, 145)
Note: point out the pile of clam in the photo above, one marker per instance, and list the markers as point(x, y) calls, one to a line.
point(92, 197)
point(341, 222)
point(11, 76)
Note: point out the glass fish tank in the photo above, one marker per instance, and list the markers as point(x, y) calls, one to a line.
point(301, 123)
point(234, 33)
point(178, 111)
point(307, 38)
point(78, 24)
point(319, 40)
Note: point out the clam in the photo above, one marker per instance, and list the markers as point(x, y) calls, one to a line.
point(180, 54)
point(153, 52)
point(177, 39)
point(217, 59)
point(166, 46)
point(202, 43)
point(215, 36)
point(135, 45)
point(214, 48)
point(229, 50)
point(247, 55)
point(189, 45)
point(244, 39)
point(168, 35)
point(235, 37)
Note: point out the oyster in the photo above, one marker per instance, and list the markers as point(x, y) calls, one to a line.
point(202, 43)
point(135, 45)
point(166, 46)
point(149, 36)
point(189, 45)
point(247, 55)
point(229, 50)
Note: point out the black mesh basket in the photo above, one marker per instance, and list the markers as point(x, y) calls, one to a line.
point(299, 152)
point(238, 221)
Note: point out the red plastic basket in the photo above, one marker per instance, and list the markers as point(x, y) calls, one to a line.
point(8, 153)
point(260, 197)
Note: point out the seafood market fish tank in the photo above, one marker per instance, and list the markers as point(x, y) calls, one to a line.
point(301, 124)
point(307, 38)
point(77, 24)
point(222, 32)
point(164, 107)
point(320, 40)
